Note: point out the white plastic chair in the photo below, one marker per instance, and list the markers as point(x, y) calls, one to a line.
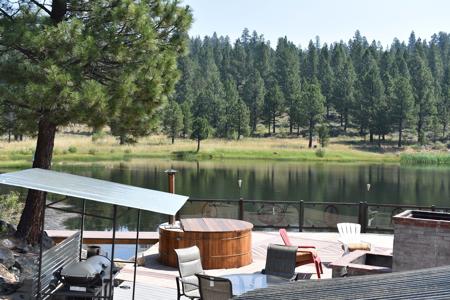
point(349, 233)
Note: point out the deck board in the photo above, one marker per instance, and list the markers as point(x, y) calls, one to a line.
point(155, 281)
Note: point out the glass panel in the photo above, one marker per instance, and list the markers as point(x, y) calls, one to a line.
point(271, 213)
point(208, 209)
point(328, 215)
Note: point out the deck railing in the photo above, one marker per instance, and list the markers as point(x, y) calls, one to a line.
point(302, 215)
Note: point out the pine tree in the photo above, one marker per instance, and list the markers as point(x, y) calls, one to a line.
point(371, 103)
point(422, 83)
point(87, 62)
point(343, 85)
point(200, 130)
point(172, 120)
point(273, 103)
point(187, 118)
point(325, 75)
point(287, 69)
point(311, 62)
point(254, 91)
point(402, 109)
point(312, 107)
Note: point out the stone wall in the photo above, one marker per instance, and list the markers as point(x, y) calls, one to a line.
point(420, 243)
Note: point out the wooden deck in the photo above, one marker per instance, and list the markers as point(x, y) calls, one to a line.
point(155, 281)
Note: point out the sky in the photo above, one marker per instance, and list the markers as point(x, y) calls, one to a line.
point(331, 20)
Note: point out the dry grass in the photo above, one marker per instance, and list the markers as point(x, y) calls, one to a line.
point(77, 147)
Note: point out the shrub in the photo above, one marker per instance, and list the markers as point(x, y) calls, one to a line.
point(324, 135)
point(10, 207)
point(92, 151)
point(98, 135)
point(72, 149)
point(320, 152)
point(127, 151)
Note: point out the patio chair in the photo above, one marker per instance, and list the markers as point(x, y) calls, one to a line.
point(189, 264)
point(214, 288)
point(281, 261)
point(305, 254)
point(350, 237)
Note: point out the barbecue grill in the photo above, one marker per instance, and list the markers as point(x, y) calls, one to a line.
point(85, 280)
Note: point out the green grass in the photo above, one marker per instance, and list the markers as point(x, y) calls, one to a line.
point(287, 155)
point(425, 159)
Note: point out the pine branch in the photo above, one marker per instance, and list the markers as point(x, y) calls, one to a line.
point(6, 14)
point(41, 6)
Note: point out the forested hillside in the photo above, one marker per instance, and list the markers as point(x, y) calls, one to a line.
point(249, 87)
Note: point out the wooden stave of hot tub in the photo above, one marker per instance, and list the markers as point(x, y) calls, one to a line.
point(218, 250)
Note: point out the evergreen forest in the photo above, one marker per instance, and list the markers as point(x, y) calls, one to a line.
point(355, 88)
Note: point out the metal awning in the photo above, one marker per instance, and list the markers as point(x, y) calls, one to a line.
point(95, 190)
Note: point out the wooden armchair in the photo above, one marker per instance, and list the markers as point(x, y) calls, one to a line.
point(305, 254)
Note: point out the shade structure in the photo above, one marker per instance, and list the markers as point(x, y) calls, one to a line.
point(95, 190)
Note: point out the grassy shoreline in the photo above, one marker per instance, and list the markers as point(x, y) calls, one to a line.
point(79, 149)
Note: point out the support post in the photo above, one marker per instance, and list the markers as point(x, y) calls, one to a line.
point(241, 208)
point(360, 214)
point(171, 177)
point(241, 202)
point(113, 246)
point(41, 248)
point(136, 251)
point(301, 214)
point(82, 228)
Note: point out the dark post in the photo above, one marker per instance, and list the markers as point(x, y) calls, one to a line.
point(171, 176)
point(360, 214)
point(433, 208)
point(113, 247)
point(363, 208)
point(241, 201)
point(136, 251)
point(301, 214)
point(82, 228)
point(41, 249)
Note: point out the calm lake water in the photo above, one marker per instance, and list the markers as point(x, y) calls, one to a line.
point(266, 180)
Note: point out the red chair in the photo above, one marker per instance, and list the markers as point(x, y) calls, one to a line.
point(305, 254)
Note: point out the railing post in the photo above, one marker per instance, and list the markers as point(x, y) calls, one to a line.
point(241, 209)
point(362, 216)
point(301, 214)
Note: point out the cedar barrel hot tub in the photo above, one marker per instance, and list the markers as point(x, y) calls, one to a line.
point(223, 243)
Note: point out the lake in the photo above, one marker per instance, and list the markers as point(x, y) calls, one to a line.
point(266, 180)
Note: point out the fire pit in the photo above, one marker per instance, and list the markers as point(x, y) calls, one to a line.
point(421, 240)
point(361, 263)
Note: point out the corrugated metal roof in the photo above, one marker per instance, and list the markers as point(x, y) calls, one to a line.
point(95, 189)
point(432, 283)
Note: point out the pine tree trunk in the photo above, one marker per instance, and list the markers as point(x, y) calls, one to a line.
point(345, 121)
point(400, 129)
point(122, 140)
point(198, 145)
point(379, 140)
point(310, 133)
point(31, 220)
point(328, 111)
point(273, 123)
point(419, 132)
point(173, 139)
point(290, 126)
point(371, 136)
point(9, 136)
point(341, 119)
